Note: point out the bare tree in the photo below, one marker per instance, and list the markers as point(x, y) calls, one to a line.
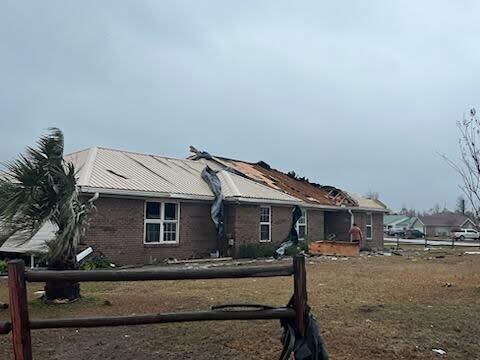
point(468, 166)
point(436, 209)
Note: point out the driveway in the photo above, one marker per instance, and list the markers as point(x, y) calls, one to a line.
point(431, 242)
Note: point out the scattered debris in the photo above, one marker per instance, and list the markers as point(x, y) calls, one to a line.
point(175, 261)
point(396, 252)
point(439, 352)
point(334, 248)
point(61, 301)
point(83, 254)
point(39, 294)
point(447, 284)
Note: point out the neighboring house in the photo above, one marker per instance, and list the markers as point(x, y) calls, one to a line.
point(329, 211)
point(401, 222)
point(444, 223)
point(153, 207)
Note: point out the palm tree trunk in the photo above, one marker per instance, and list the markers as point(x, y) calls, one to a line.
point(62, 289)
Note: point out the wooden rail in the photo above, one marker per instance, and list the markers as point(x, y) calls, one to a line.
point(161, 274)
point(277, 313)
point(20, 324)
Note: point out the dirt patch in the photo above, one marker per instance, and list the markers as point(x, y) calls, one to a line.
point(367, 307)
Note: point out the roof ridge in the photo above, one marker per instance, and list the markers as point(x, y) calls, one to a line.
point(78, 151)
point(143, 153)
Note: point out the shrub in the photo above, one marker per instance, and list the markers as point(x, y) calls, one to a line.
point(254, 251)
point(97, 261)
point(3, 266)
point(295, 250)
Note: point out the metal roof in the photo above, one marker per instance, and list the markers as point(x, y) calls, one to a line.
point(129, 173)
point(23, 242)
point(368, 204)
point(396, 220)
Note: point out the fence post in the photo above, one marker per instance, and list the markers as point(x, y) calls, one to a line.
point(299, 293)
point(22, 344)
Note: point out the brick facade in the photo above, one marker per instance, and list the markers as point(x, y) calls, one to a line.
point(377, 222)
point(117, 229)
point(315, 225)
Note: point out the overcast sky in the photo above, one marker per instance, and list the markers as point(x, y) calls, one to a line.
point(362, 95)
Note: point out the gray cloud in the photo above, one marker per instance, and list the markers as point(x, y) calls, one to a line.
point(362, 95)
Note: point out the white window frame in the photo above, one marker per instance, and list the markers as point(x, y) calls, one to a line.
point(161, 221)
point(269, 223)
point(369, 226)
point(298, 224)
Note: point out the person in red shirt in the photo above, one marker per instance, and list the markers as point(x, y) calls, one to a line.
point(356, 234)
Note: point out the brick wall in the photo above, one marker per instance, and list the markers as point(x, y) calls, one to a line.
point(246, 229)
point(377, 242)
point(377, 221)
point(315, 225)
point(117, 229)
point(281, 222)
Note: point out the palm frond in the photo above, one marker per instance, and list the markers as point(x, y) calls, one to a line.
point(42, 187)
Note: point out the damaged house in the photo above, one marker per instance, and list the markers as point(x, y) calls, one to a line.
point(328, 212)
point(153, 207)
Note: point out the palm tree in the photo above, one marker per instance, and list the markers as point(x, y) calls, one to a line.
point(40, 187)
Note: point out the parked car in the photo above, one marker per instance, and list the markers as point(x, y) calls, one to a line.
point(396, 232)
point(414, 234)
point(466, 234)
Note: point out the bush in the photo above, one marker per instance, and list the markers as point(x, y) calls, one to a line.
point(254, 251)
point(295, 250)
point(3, 266)
point(97, 261)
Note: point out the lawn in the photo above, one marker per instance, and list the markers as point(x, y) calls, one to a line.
point(397, 307)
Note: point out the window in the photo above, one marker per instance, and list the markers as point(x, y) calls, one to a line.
point(301, 226)
point(161, 223)
point(369, 227)
point(265, 223)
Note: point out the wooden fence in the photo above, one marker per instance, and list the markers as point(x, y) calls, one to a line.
point(20, 323)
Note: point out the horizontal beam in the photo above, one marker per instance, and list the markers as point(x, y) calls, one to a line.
point(276, 313)
point(160, 274)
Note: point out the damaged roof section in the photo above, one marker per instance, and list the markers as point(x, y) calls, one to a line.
point(290, 183)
